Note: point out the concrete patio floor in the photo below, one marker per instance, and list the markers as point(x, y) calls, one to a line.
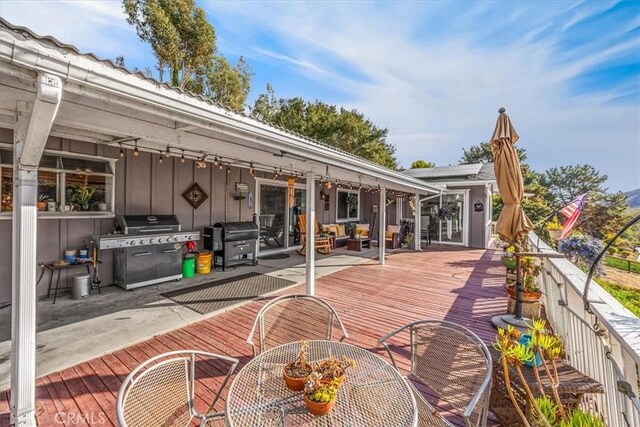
point(72, 331)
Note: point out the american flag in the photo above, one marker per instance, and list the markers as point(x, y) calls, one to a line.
point(572, 212)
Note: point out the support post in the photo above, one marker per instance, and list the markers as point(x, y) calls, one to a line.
point(417, 225)
point(383, 225)
point(30, 137)
point(310, 241)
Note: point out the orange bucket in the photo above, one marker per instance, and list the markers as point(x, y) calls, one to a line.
point(203, 262)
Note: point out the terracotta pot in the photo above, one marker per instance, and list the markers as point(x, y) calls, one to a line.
point(526, 296)
point(42, 206)
point(340, 379)
point(295, 384)
point(317, 408)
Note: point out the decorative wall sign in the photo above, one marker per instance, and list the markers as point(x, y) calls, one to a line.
point(478, 206)
point(250, 200)
point(195, 195)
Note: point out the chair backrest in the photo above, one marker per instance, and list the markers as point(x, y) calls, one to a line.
point(160, 391)
point(393, 228)
point(294, 317)
point(302, 225)
point(453, 362)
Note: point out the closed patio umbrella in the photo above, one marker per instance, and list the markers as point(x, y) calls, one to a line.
point(513, 224)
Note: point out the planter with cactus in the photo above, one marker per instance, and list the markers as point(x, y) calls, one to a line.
point(320, 395)
point(295, 373)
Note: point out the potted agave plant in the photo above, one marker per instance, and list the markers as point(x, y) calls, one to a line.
point(295, 373)
point(319, 394)
point(334, 369)
point(539, 351)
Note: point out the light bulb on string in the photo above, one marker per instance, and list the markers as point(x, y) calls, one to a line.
point(252, 171)
point(168, 152)
point(215, 161)
point(135, 149)
point(121, 151)
point(160, 159)
point(182, 159)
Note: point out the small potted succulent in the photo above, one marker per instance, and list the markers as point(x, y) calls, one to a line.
point(320, 395)
point(334, 369)
point(295, 373)
point(554, 228)
point(42, 202)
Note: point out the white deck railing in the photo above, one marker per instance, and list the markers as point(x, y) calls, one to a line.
point(604, 345)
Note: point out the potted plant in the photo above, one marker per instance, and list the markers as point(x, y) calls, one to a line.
point(334, 369)
point(547, 347)
point(554, 228)
point(507, 258)
point(320, 395)
point(295, 373)
point(42, 202)
point(529, 271)
point(83, 195)
point(409, 240)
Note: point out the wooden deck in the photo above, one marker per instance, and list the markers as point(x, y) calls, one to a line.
point(459, 285)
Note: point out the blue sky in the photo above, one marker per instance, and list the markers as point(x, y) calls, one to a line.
point(433, 72)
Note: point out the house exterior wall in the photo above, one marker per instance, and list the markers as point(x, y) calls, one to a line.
point(142, 186)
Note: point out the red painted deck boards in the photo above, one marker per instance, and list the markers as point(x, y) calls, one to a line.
point(460, 285)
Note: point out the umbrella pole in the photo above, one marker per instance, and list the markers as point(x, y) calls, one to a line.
point(519, 301)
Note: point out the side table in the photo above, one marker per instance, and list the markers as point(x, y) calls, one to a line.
point(358, 244)
point(53, 268)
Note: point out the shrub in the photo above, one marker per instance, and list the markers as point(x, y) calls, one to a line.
point(582, 251)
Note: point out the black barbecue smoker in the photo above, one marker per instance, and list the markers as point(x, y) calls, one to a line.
point(234, 243)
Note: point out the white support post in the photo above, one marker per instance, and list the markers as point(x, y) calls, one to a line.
point(310, 242)
point(383, 225)
point(417, 224)
point(30, 137)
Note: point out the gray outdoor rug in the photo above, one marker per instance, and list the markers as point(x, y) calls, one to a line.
point(222, 293)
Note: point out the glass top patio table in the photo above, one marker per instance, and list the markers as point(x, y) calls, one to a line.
point(373, 393)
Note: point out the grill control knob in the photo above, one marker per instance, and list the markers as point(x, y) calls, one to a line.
point(152, 241)
point(142, 242)
point(132, 242)
point(160, 240)
point(176, 238)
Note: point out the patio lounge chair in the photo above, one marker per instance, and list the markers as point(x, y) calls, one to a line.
point(160, 391)
point(454, 364)
point(292, 318)
point(322, 243)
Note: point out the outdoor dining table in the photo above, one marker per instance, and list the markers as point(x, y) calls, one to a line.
point(373, 392)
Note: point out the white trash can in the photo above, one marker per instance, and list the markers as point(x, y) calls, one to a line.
point(80, 288)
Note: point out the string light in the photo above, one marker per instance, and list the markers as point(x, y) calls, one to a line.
point(160, 159)
point(168, 152)
point(215, 161)
point(252, 171)
point(228, 169)
point(182, 159)
point(220, 166)
point(135, 150)
point(121, 151)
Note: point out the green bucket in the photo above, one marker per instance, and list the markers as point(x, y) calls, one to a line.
point(188, 266)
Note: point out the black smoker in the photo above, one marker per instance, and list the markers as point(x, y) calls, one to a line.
point(234, 242)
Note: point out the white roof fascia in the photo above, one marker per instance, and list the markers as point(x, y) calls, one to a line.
point(31, 54)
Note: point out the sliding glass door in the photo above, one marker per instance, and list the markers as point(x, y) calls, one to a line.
point(444, 218)
point(277, 217)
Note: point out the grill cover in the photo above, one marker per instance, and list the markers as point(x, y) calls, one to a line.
point(138, 224)
point(235, 231)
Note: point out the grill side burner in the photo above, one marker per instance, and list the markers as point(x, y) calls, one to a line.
point(234, 242)
point(148, 249)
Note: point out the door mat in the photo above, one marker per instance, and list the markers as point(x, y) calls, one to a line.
point(273, 256)
point(217, 295)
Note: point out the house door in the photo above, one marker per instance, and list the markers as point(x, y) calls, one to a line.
point(277, 217)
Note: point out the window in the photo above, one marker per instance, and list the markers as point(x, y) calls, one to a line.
point(66, 183)
point(348, 205)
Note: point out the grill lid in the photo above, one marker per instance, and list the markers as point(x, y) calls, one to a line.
point(232, 231)
point(131, 224)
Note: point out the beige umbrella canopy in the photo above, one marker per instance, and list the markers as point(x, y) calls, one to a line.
point(513, 223)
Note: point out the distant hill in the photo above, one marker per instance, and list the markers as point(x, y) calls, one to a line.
point(633, 197)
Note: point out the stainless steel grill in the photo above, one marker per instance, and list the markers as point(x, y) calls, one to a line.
point(148, 249)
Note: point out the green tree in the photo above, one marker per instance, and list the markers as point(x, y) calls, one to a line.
point(481, 153)
point(181, 37)
point(347, 130)
point(421, 164)
point(603, 212)
point(229, 85)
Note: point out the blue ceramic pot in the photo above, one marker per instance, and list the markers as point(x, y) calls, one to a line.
point(525, 339)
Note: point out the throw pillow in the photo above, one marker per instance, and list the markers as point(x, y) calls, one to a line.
point(388, 235)
point(341, 230)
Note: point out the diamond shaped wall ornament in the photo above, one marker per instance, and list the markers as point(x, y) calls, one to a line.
point(195, 195)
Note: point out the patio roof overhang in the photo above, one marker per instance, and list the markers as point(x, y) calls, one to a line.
point(103, 103)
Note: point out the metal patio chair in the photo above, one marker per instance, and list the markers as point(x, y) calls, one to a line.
point(160, 392)
point(451, 361)
point(292, 318)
